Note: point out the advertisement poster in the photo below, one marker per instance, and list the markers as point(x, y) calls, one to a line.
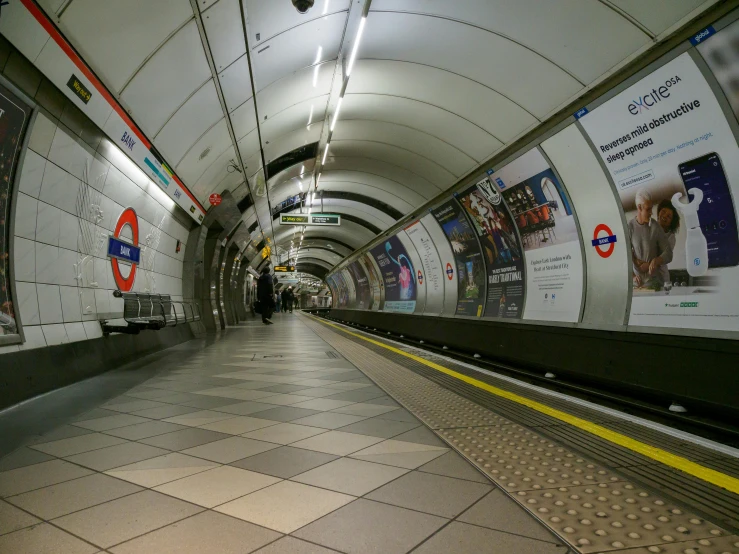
point(467, 256)
point(361, 286)
point(501, 249)
point(374, 281)
point(348, 282)
point(546, 224)
point(398, 274)
point(12, 123)
point(432, 273)
point(675, 164)
point(721, 52)
point(342, 291)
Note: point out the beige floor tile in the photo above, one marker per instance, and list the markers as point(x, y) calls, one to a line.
point(290, 545)
point(286, 506)
point(354, 477)
point(123, 519)
point(196, 419)
point(205, 533)
point(24, 479)
point(324, 404)
point(400, 454)
point(110, 422)
point(126, 404)
point(229, 450)
point(116, 456)
point(285, 433)
point(348, 386)
point(217, 486)
point(70, 496)
point(157, 471)
point(338, 443)
point(285, 399)
point(316, 382)
point(369, 410)
point(13, 519)
point(238, 394)
point(77, 445)
point(44, 539)
point(239, 425)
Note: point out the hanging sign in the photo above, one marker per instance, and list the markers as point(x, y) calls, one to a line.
point(310, 219)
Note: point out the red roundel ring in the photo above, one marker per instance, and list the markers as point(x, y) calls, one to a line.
point(607, 230)
point(128, 217)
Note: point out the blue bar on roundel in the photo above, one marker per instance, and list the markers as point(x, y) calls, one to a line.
point(123, 251)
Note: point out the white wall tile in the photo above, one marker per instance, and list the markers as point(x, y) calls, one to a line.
point(67, 152)
point(32, 173)
point(50, 304)
point(116, 305)
point(34, 337)
point(97, 172)
point(93, 330)
point(102, 301)
point(48, 224)
point(42, 135)
point(69, 229)
point(68, 262)
point(47, 264)
point(75, 332)
point(71, 309)
point(104, 274)
point(9, 349)
point(55, 334)
point(26, 208)
point(60, 188)
point(27, 304)
point(24, 260)
point(89, 309)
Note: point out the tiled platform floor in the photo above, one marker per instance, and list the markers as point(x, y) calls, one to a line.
point(266, 441)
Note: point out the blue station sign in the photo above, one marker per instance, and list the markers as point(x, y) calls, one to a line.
point(123, 251)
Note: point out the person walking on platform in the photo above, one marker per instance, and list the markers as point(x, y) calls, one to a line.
point(266, 295)
point(287, 299)
point(278, 302)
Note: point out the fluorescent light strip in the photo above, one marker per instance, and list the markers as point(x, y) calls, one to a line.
point(325, 154)
point(353, 57)
point(325, 7)
point(336, 113)
point(310, 119)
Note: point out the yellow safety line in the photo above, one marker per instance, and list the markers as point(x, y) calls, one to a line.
point(677, 462)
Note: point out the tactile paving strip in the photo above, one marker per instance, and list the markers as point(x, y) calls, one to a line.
point(588, 506)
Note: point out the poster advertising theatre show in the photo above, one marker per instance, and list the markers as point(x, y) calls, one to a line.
point(675, 164)
point(398, 275)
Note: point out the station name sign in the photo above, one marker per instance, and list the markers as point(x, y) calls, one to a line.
point(310, 219)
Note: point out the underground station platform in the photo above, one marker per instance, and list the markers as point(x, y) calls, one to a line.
point(311, 436)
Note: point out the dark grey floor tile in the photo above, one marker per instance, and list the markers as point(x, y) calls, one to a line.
point(23, 457)
point(170, 410)
point(433, 494)
point(460, 537)
point(186, 438)
point(421, 435)
point(145, 430)
point(286, 413)
point(383, 401)
point(361, 395)
point(206, 402)
point(244, 408)
point(375, 427)
point(371, 527)
point(452, 464)
point(497, 511)
point(59, 433)
point(251, 385)
point(284, 462)
point(94, 414)
point(285, 389)
point(290, 545)
point(178, 397)
point(399, 415)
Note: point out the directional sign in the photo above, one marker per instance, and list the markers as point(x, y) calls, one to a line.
point(310, 219)
point(215, 199)
point(608, 241)
point(284, 268)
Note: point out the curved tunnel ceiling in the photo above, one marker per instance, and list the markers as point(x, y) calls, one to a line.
point(225, 87)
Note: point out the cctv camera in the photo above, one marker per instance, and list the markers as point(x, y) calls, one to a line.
point(303, 5)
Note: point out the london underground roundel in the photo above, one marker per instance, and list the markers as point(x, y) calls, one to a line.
point(449, 271)
point(121, 249)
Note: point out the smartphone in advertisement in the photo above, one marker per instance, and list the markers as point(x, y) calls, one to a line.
point(716, 213)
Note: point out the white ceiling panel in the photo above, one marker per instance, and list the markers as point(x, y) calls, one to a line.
point(658, 15)
point(269, 18)
point(205, 4)
point(294, 89)
point(201, 111)
point(434, 173)
point(290, 141)
point(372, 185)
point(215, 174)
point(444, 125)
point(244, 119)
point(542, 25)
point(51, 6)
point(294, 118)
point(167, 79)
point(366, 212)
point(538, 85)
point(468, 99)
point(235, 83)
point(249, 147)
point(194, 164)
point(225, 32)
point(359, 166)
point(349, 233)
point(298, 48)
point(116, 37)
point(406, 139)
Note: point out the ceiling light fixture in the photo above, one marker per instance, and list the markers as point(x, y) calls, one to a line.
point(316, 63)
point(336, 114)
point(310, 120)
point(353, 57)
point(325, 154)
point(325, 7)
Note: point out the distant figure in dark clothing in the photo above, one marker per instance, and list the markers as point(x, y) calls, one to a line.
point(287, 299)
point(266, 295)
